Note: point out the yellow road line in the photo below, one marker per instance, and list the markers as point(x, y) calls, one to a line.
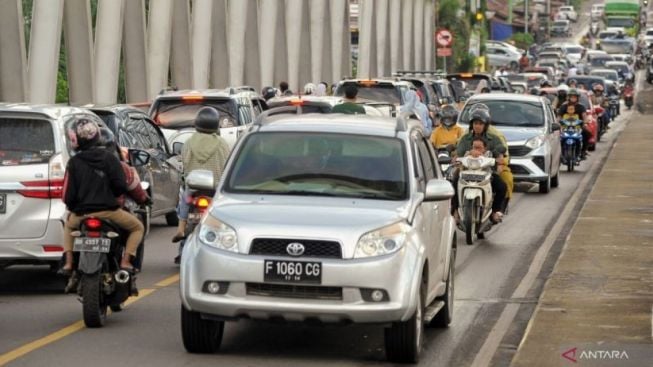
point(75, 327)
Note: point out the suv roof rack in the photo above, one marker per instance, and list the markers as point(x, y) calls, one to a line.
point(424, 72)
point(276, 111)
point(242, 88)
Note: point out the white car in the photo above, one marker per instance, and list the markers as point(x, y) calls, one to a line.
point(574, 52)
point(498, 57)
point(597, 11)
point(567, 12)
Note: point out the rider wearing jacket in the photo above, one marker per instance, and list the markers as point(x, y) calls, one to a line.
point(579, 109)
point(447, 133)
point(94, 180)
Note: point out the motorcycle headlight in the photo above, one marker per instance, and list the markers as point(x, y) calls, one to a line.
point(535, 142)
point(218, 234)
point(382, 241)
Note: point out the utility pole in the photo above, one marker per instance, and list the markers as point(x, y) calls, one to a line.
point(510, 12)
point(525, 16)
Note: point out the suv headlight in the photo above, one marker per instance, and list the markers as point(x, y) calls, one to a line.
point(535, 142)
point(218, 234)
point(382, 241)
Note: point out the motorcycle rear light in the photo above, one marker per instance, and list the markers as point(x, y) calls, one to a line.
point(52, 248)
point(94, 234)
point(202, 202)
point(93, 223)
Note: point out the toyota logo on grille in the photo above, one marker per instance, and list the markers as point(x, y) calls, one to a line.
point(295, 249)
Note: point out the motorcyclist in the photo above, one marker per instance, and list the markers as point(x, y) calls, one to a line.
point(93, 181)
point(573, 99)
point(448, 132)
point(599, 99)
point(572, 83)
point(524, 62)
point(561, 97)
point(479, 122)
point(205, 149)
point(268, 92)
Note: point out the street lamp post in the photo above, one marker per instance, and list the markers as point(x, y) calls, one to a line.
point(489, 14)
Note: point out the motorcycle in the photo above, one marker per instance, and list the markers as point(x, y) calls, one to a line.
point(628, 97)
point(98, 245)
point(475, 196)
point(202, 189)
point(571, 138)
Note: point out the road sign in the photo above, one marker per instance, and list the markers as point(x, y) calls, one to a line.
point(444, 38)
point(444, 52)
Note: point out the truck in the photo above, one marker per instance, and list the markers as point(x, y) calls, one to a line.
point(621, 13)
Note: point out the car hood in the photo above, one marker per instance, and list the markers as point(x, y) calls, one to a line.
point(515, 134)
point(301, 217)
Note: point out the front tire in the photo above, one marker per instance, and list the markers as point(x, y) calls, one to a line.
point(403, 340)
point(200, 335)
point(93, 307)
point(469, 221)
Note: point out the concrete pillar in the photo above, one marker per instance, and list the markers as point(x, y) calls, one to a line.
point(267, 36)
point(338, 11)
point(381, 15)
point(108, 37)
point(219, 49)
point(407, 35)
point(280, 45)
point(396, 58)
point(159, 36)
point(317, 11)
point(13, 59)
point(201, 42)
point(293, 38)
point(418, 34)
point(252, 67)
point(345, 43)
point(45, 39)
point(236, 23)
point(429, 35)
point(78, 40)
point(326, 69)
point(135, 53)
point(305, 46)
point(365, 38)
point(181, 63)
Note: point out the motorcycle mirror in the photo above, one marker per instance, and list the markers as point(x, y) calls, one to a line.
point(555, 126)
point(138, 157)
point(444, 159)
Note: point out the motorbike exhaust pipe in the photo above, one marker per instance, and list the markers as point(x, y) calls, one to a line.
point(122, 276)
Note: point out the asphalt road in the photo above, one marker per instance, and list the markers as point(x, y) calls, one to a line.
point(42, 327)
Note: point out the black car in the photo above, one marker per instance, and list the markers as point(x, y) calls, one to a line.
point(135, 129)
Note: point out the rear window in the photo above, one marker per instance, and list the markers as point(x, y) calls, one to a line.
point(380, 92)
point(180, 113)
point(574, 50)
point(560, 23)
point(25, 141)
point(512, 113)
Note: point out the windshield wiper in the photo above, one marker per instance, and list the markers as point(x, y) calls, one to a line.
point(307, 193)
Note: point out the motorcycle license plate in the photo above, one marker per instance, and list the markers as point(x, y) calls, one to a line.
point(3, 203)
point(292, 271)
point(88, 244)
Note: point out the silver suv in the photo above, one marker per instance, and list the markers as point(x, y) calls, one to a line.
point(330, 218)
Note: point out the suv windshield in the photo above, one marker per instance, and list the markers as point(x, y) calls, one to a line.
point(180, 113)
point(620, 22)
point(311, 164)
point(511, 113)
point(25, 141)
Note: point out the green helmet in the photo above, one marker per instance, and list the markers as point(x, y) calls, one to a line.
point(573, 92)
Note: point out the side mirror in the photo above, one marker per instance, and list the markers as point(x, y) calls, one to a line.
point(177, 147)
point(438, 190)
point(138, 158)
point(200, 179)
point(555, 126)
point(444, 159)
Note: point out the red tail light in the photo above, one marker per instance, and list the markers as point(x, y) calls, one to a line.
point(42, 189)
point(202, 202)
point(93, 223)
point(52, 248)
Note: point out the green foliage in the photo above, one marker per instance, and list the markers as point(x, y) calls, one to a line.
point(460, 27)
point(523, 40)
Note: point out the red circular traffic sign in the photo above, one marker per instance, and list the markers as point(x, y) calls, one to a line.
point(444, 38)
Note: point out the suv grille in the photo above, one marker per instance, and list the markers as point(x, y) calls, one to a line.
point(519, 170)
point(293, 291)
point(519, 150)
point(313, 248)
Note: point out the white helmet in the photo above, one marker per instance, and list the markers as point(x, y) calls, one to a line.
point(309, 88)
point(564, 87)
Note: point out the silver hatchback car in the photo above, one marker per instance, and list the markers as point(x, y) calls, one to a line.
point(331, 218)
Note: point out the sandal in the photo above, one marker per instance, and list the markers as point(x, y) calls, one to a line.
point(178, 237)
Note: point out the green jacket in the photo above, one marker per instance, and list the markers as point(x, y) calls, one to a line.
point(205, 151)
point(493, 142)
point(349, 108)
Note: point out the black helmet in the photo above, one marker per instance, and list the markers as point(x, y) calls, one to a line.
point(572, 81)
point(544, 83)
point(268, 92)
point(448, 115)
point(479, 114)
point(207, 120)
point(85, 132)
point(534, 91)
